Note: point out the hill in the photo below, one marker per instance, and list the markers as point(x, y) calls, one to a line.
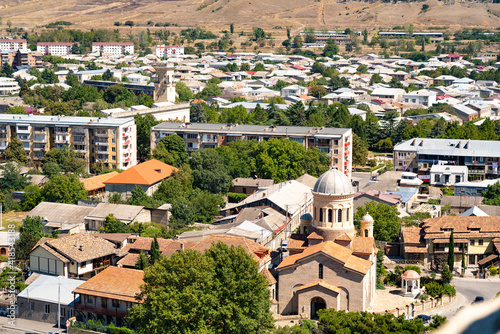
point(218, 14)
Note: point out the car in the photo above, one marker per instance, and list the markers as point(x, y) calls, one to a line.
point(425, 318)
point(478, 300)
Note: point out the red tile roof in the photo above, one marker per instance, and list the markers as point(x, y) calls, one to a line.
point(146, 173)
point(97, 182)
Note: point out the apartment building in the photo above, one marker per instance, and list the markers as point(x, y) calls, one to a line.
point(13, 44)
point(418, 155)
point(21, 58)
point(424, 97)
point(335, 142)
point(113, 48)
point(168, 51)
point(54, 49)
point(8, 86)
point(110, 142)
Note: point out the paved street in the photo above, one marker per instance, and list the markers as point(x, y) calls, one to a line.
point(25, 326)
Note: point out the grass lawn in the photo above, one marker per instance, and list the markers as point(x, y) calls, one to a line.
point(14, 217)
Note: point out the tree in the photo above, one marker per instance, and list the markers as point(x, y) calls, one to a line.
point(171, 150)
point(143, 261)
point(15, 152)
point(386, 221)
point(11, 177)
point(376, 78)
point(209, 172)
point(66, 159)
point(446, 274)
point(30, 231)
point(492, 194)
point(113, 225)
point(183, 92)
point(451, 252)
point(317, 91)
point(231, 28)
point(155, 252)
point(220, 291)
point(297, 42)
point(64, 189)
point(337, 82)
point(31, 198)
point(144, 125)
point(359, 151)
point(138, 197)
point(107, 76)
point(7, 70)
point(258, 33)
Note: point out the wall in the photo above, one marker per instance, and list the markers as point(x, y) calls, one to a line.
point(39, 311)
point(43, 262)
point(421, 306)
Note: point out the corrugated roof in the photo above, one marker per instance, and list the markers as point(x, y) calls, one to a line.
point(61, 212)
point(146, 173)
point(52, 289)
point(453, 147)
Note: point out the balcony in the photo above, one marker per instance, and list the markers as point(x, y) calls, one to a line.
point(112, 312)
point(78, 142)
point(40, 132)
point(100, 134)
point(78, 132)
point(61, 132)
point(38, 149)
point(39, 140)
point(61, 141)
point(100, 143)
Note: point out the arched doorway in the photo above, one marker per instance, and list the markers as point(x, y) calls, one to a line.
point(317, 303)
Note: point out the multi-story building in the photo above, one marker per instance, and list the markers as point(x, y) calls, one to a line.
point(21, 58)
point(169, 51)
point(424, 97)
point(13, 44)
point(110, 142)
point(335, 142)
point(8, 86)
point(54, 49)
point(113, 48)
point(418, 155)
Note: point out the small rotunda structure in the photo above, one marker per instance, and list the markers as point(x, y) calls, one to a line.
point(367, 226)
point(410, 283)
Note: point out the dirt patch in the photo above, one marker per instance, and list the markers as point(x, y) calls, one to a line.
point(14, 217)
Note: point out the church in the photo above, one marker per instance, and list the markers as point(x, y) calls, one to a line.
point(329, 266)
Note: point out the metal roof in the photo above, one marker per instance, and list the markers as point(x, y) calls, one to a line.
point(452, 147)
point(45, 288)
point(63, 120)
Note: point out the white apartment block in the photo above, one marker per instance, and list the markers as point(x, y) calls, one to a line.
point(167, 51)
point(110, 142)
point(8, 86)
point(113, 48)
point(13, 44)
point(54, 49)
point(424, 97)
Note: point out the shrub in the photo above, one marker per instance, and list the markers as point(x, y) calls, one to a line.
point(434, 289)
point(446, 274)
point(235, 197)
point(423, 296)
point(493, 270)
point(413, 267)
point(380, 285)
point(450, 290)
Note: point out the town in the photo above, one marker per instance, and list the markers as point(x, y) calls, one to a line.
point(158, 188)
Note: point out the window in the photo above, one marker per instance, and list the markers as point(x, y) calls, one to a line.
point(320, 271)
point(472, 242)
point(320, 215)
point(112, 140)
point(113, 149)
point(436, 178)
point(90, 300)
point(116, 303)
point(330, 215)
point(347, 214)
point(480, 242)
point(47, 308)
point(457, 178)
point(339, 216)
point(83, 265)
point(32, 306)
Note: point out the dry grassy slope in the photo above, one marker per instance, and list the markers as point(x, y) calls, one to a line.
point(247, 13)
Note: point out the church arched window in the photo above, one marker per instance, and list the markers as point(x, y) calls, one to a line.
point(339, 218)
point(320, 214)
point(320, 271)
point(347, 214)
point(330, 215)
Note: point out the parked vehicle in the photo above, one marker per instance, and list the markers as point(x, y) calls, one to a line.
point(478, 300)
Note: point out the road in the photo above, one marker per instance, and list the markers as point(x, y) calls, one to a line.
point(467, 290)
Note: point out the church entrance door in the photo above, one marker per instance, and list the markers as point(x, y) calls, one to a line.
point(317, 303)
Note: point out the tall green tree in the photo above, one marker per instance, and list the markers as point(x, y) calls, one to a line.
point(64, 189)
point(15, 152)
point(209, 172)
point(30, 233)
point(144, 125)
point(220, 291)
point(155, 254)
point(386, 225)
point(11, 178)
point(143, 261)
point(113, 225)
point(359, 151)
point(451, 252)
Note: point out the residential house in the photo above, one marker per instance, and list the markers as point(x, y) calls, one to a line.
point(80, 255)
point(47, 297)
point(459, 204)
point(108, 296)
point(127, 214)
point(7, 239)
point(388, 94)
point(66, 218)
point(249, 185)
point(424, 97)
point(293, 90)
point(361, 198)
point(95, 185)
point(148, 175)
point(465, 113)
point(447, 175)
point(473, 188)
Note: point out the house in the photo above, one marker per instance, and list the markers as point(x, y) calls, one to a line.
point(459, 204)
point(148, 175)
point(465, 113)
point(388, 94)
point(249, 185)
point(66, 218)
point(127, 214)
point(408, 196)
point(446, 175)
point(7, 239)
point(95, 185)
point(361, 198)
point(80, 255)
point(40, 301)
point(424, 97)
point(329, 266)
point(473, 188)
point(108, 296)
point(293, 90)
point(478, 236)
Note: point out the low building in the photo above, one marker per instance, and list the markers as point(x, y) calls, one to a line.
point(6, 241)
point(388, 94)
point(54, 48)
point(473, 188)
point(293, 90)
point(40, 301)
point(424, 97)
point(361, 198)
point(9, 86)
point(148, 175)
point(66, 218)
point(95, 185)
point(113, 48)
point(125, 213)
point(13, 44)
point(108, 296)
point(80, 256)
point(445, 175)
point(248, 185)
point(479, 237)
point(459, 204)
point(167, 51)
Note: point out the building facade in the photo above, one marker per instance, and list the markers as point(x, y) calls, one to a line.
point(110, 142)
point(9, 86)
point(13, 44)
point(21, 57)
point(167, 51)
point(54, 49)
point(113, 48)
point(418, 155)
point(335, 142)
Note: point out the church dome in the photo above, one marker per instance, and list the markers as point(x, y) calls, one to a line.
point(333, 182)
point(306, 216)
point(367, 218)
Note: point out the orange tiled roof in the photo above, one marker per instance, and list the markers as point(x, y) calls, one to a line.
point(413, 249)
point(97, 182)
point(297, 242)
point(411, 235)
point(270, 278)
point(146, 173)
point(320, 283)
point(363, 245)
point(344, 237)
point(114, 282)
point(462, 224)
point(315, 236)
point(332, 250)
point(129, 260)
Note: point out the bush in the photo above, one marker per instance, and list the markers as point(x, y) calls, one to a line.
point(423, 296)
point(413, 267)
point(493, 270)
point(380, 285)
point(235, 197)
point(450, 290)
point(446, 274)
point(434, 289)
